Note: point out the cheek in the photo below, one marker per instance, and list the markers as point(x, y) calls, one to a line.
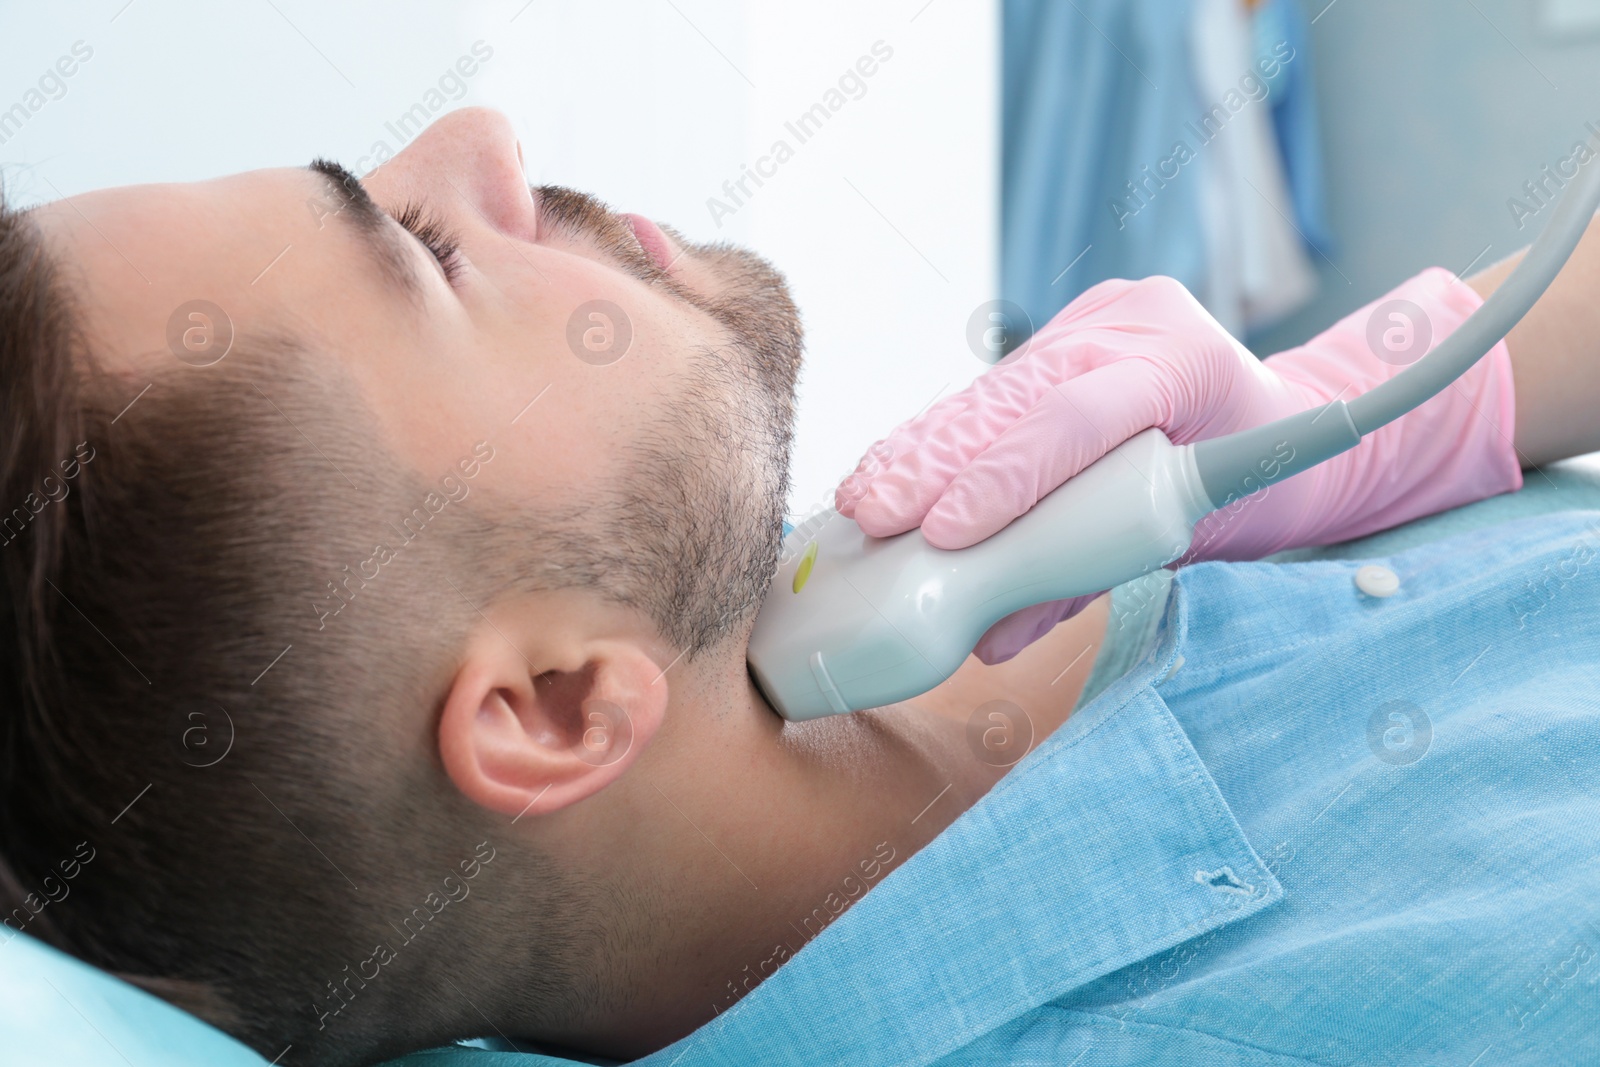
point(563, 453)
point(561, 364)
point(604, 363)
point(577, 318)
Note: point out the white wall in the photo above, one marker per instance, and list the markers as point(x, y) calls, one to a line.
point(884, 220)
point(1434, 113)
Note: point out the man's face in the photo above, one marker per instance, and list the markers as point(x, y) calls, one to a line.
point(620, 371)
point(626, 381)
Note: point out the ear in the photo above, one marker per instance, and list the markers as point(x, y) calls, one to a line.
point(526, 732)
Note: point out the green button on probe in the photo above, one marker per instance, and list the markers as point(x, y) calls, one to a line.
point(802, 572)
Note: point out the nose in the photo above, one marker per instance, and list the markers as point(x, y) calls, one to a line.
point(467, 166)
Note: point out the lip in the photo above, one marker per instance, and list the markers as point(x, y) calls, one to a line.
point(652, 240)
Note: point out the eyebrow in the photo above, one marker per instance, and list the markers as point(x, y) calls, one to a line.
point(370, 223)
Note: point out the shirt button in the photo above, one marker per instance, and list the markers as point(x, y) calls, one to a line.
point(1377, 581)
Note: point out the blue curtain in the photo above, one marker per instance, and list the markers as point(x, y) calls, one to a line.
point(1294, 117)
point(1094, 95)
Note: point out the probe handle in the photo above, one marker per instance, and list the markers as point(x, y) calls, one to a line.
point(855, 622)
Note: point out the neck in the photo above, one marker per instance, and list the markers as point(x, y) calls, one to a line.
point(744, 836)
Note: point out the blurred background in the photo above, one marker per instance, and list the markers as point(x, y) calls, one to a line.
point(935, 177)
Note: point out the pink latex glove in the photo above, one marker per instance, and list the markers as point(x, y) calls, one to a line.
point(1128, 355)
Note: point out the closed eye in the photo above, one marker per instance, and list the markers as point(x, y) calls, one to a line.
point(442, 243)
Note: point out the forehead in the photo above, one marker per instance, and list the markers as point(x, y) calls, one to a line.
point(139, 254)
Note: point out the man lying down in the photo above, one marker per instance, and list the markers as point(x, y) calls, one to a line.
point(382, 632)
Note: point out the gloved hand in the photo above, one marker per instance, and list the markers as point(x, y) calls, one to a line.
point(1128, 355)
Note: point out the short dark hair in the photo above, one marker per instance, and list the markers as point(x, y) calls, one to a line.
point(211, 782)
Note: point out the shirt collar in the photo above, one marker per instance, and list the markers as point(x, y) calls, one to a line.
point(1108, 844)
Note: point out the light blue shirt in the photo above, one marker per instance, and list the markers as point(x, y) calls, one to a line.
point(1310, 825)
